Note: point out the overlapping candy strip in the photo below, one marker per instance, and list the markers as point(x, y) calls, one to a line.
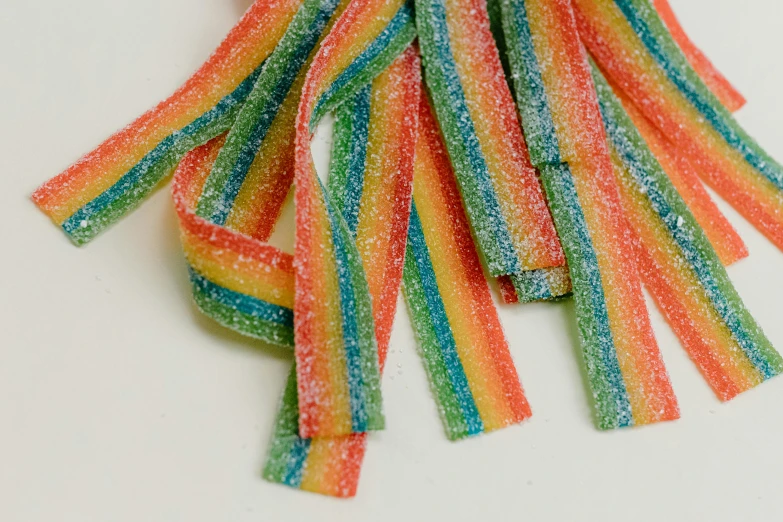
point(459, 335)
point(562, 124)
point(370, 183)
point(633, 47)
point(207, 193)
point(681, 268)
point(367, 34)
point(229, 193)
point(115, 177)
point(476, 113)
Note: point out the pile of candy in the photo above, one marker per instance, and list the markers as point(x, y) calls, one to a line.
point(554, 145)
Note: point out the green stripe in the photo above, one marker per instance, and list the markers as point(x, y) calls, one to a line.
point(429, 348)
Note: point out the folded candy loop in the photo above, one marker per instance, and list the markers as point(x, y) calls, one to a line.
point(378, 175)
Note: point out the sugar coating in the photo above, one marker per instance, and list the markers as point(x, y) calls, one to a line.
point(476, 114)
point(381, 181)
point(630, 43)
point(680, 266)
point(457, 329)
point(563, 126)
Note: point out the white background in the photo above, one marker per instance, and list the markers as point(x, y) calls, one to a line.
point(119, 402)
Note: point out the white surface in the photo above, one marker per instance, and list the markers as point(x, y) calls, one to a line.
point(119, 402)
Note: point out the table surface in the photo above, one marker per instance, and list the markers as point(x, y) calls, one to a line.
point(120, 402)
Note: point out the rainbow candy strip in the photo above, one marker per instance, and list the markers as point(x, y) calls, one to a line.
point(279, 74)
point(370, 183)
point(722, 235)
point(633, 47)
point(562, 124)
point(680, 266)
point(239, 281)
point(475, 110)
point(115, 177)
point(460, 338)
point(712, 77)
point(336, 353)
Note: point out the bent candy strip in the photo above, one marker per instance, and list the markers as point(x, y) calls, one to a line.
point(712, 77)
point(115, 177)
point(370, 184)
point(563, 127)
point(338, 379)
point(633, 47)
point(680, 267)
point(240, 282)
point(475, 110)
point(460, 338)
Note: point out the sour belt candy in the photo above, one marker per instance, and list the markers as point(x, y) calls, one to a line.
point(712, 77)
point(562, 124)
point(476, 113)
point(460, 338)
point(114, 178)
point(680, 267)
point(370, 184)
point(633, 47)
point(336, 353)
point(684, 176)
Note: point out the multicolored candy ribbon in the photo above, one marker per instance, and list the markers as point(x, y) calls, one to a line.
point(475, 110)
point(119, 174)
point(336, 352)
point(459, 335)
point(682, 174)
point(370, 184)
point(562, 124)
point(680, 267)
point(632, 46)
point(712, 77)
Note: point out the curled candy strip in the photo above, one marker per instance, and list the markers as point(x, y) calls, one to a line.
point(370, 184)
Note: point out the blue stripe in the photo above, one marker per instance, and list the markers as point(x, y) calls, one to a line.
point(354, 180)
point(397, 24)
point(348, 305)
point(297, 457)
point(440, 322)
point(177, 142)
point(537, 119)
point(244, 303)
point(703, 101)
point(531, 285)
point(272, 99)
point(441, 46)
point(686, 233)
